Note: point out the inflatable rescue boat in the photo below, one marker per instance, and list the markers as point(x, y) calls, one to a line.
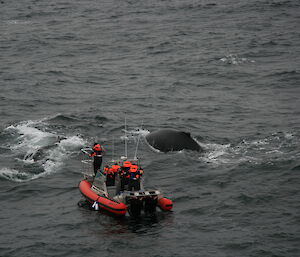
point(117, 192)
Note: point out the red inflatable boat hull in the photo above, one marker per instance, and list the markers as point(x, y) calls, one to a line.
point(103, 202)
point(165, 204)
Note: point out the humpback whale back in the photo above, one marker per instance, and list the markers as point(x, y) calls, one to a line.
point(166, 140)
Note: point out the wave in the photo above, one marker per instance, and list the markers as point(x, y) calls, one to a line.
point(286, 76)
point(38, 152)
point(62, 118)
point(296, 168)
point(269, 5)
point(30, 135)
point(19, 176)
point(279, 3)
point(18, 22)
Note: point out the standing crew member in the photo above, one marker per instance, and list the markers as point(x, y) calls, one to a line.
point(124, 174)
point(134, 181)
point(97, 154)
point(116, 168)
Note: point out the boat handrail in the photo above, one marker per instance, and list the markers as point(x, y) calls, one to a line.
point(87, 161)
point(142, 193)
point(86, 150)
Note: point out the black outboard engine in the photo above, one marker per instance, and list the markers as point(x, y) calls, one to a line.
point(135, 206)
point(150, 205)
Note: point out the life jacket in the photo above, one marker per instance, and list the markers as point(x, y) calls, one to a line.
point(127, 164)
point(110, 173)
point(97, 147)
point(134, 174)
point(115, 168)
point(97, 151)
point(133, 168)
point(106, 169)
point(125, 169)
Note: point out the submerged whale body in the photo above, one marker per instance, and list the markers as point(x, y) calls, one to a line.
point(166, 140)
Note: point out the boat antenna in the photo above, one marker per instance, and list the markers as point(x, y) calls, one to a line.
point(138, 141)
point(113, 149)
point(125, 139)
point(136, 149)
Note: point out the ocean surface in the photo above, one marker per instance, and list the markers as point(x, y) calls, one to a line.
point(226, 71)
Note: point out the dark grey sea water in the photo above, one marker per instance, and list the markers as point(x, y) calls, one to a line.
point(226, 71)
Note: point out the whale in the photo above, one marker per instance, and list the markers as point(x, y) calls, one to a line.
point(167, 140)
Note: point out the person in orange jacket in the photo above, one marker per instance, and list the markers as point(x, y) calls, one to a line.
point(134, 179)
point(110, 177)
point(124, 174)
point(97, 154)
point(106, 169)
point(116, 168)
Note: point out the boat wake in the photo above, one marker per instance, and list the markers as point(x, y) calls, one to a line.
point(33, 151)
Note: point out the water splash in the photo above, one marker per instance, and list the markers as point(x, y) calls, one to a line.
point(134, 134)
point(30, 136)
point(14, 175)
point(137, 132)
point(35, 147)
point(215, 153)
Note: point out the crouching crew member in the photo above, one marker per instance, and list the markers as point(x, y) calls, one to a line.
point(134, 180)
point(110, 176)
point(97, 154)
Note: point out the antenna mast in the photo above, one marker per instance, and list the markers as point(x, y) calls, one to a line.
point(138, 141)
point(125, 139)
point(113, 149)
point(136, 149)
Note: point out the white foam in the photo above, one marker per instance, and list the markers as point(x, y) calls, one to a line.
point(235, 59)
point(289, 135)
point(18, 22)
point(257, 151)
point(31, 137)
point(53, 150)
point(51, 166)
point(215, 153)
point(136, 132)
point(18, 176)
point(64, 148)
point(72, 142)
